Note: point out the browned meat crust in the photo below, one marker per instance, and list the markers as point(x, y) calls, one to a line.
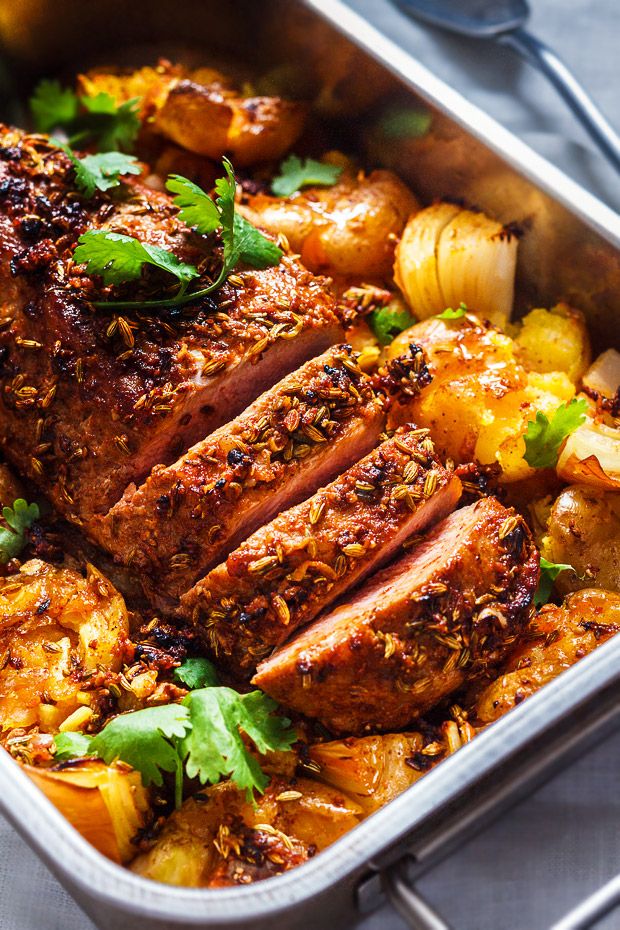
point(284, 575)
point(449, 608)
point(92, 399)
point(185, 518)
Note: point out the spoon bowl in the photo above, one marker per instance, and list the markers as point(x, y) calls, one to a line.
point(480, 19)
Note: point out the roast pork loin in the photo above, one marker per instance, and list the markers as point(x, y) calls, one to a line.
point(450, 607)
point(92, 398)
point(187, 517)
point(293, 568)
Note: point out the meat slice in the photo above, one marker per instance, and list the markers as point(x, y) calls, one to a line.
point(284, 575)
point(186, 518)
point(92, 398)
point(448, 608)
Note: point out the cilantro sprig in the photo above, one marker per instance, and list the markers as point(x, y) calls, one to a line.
point(201, 737)
point(196, 673)
point(100, 172)
point(119, 258)
point(387, 322)
point(97, 120)
point(295, 174)
point(549, 571)
point(18, 519)
point(544, 436)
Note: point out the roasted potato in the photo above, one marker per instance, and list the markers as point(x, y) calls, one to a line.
point(218, 837)
point(448, 256)
point(583, 530)
point(555, 340)
point(480, 398)
point(557, 638)
point(345, 230)
point(201, 111)
point(56, 629)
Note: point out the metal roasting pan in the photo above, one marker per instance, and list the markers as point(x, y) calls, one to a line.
point(570, 249)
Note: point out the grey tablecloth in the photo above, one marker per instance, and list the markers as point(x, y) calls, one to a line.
point(542, 857)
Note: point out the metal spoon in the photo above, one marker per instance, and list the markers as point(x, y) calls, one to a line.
point(503, 20)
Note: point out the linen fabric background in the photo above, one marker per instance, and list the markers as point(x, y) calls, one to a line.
point(545, 855)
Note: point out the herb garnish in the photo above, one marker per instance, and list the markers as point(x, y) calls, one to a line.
point(387, 322)
point(450, 314)
point(196, 673)
point(544, 436)
point(100, 172)
point(18, 518)
point(118, 258)
point(201, 737)
point(549, 571)
point(295, 174)
point(97, 120)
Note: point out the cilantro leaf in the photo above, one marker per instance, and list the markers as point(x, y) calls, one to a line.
point(544, 437)
point(549, 571)
point(242, 241)
point(101, 172)
point(52, 106)
point(195, 207)
point(450, 314)
point(71, 745)
point(295, 174)
point(112, 126)
point(214, 748)
point(196, 673)
point(405, 123)
point(145, 739)
point(389, 321)
point(118, 258)
point(18, 518)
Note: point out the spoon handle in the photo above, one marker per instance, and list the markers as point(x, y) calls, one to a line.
point(584, 108)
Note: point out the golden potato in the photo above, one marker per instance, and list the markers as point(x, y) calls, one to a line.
point(583, 530)
point(480, 398)
point(219, 838)
point(560, 636)
point(344, 230)
point(448, 256)
point(56, 628)
point(555, 340)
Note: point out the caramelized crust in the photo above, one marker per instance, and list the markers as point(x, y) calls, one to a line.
point(447, 609)
point(185, 518)
point(290, 570)
point(91, 399)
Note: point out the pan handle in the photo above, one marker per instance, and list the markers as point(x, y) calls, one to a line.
point(419, 915)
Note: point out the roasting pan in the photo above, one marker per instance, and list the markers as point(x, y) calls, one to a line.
point(570, 249)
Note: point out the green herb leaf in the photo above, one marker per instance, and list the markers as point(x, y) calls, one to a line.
point(544, 437)
point(110, 125)
point(195, 207)
point(145, 739)
point(214, 747)
point(101, 172)
point(295, 174)
point(52, 106)
point(389, 321)
point(405, 123)
point(71, 746)
point(196, 673)
point(242, 241)
point(18, 518)
point(549, 571)
point(450, 314)
point(118, 258)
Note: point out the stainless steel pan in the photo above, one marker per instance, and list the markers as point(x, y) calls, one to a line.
point(570, 250)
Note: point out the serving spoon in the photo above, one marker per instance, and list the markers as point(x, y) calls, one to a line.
point(503, 20)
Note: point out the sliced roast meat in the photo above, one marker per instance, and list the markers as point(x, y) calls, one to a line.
point(92, 398)
point(290, 570)
point(187, 517)
point(449, 608)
